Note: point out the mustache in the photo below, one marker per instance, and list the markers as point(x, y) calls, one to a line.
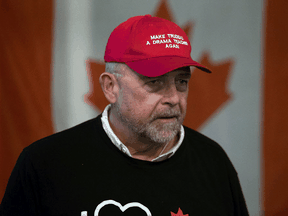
point(166, 114)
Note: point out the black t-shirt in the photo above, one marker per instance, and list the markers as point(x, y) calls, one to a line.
point(80, 172)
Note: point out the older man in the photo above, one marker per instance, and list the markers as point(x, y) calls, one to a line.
point(136, 158)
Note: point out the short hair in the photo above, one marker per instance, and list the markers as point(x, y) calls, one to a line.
point(114, 68)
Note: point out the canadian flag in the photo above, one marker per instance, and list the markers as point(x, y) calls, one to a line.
point(51, 55)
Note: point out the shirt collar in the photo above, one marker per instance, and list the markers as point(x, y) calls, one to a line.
point(115, 140)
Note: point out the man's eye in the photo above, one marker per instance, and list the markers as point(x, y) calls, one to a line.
point(155, 85)
point(182, 82)
point(182, 85)
point(155, 82)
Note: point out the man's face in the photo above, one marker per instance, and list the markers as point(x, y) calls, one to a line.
point(153, 107)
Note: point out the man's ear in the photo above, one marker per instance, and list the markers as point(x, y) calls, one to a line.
point(110, 87)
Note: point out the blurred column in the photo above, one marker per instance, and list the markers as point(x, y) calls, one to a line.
point(72, 47)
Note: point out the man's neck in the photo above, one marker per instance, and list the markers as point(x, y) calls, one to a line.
point(150, 151)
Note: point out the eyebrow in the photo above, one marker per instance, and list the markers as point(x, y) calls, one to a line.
point(185, 74)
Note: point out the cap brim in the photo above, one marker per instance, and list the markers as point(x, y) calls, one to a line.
point(158, 66)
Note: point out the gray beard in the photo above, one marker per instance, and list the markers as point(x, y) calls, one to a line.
point(159, 133)
point(154, 131)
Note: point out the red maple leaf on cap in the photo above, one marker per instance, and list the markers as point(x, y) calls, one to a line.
point(179, 213)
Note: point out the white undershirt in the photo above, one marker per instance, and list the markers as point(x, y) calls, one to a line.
point(115, 140)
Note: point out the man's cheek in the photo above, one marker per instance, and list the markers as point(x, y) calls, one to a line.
point(152, 100)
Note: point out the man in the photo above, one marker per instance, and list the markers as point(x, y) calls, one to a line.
point(135, 158)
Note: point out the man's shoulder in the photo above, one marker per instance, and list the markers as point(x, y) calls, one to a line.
point(193, 134)
point(201, 142)
point(70, 138)
point(207, 149)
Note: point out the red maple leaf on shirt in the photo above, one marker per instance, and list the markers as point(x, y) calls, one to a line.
point(179, 213)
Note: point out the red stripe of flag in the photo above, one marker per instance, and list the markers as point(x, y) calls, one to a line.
point(275, 128)
point(25, 78)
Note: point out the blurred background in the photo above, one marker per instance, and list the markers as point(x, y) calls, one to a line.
point(51, 56)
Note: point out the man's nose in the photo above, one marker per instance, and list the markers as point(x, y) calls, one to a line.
point(171, 95)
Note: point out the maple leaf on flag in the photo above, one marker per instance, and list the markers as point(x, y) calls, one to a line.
point(164, 11)
point(207, 94)
point(179, 213)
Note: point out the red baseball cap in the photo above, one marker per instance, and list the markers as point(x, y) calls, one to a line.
point(151, 46)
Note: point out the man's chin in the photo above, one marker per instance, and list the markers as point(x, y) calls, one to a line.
point(162, 135)
point(163, 139)
point(166, 125)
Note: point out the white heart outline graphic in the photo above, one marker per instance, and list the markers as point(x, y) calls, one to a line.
point(122, 208)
